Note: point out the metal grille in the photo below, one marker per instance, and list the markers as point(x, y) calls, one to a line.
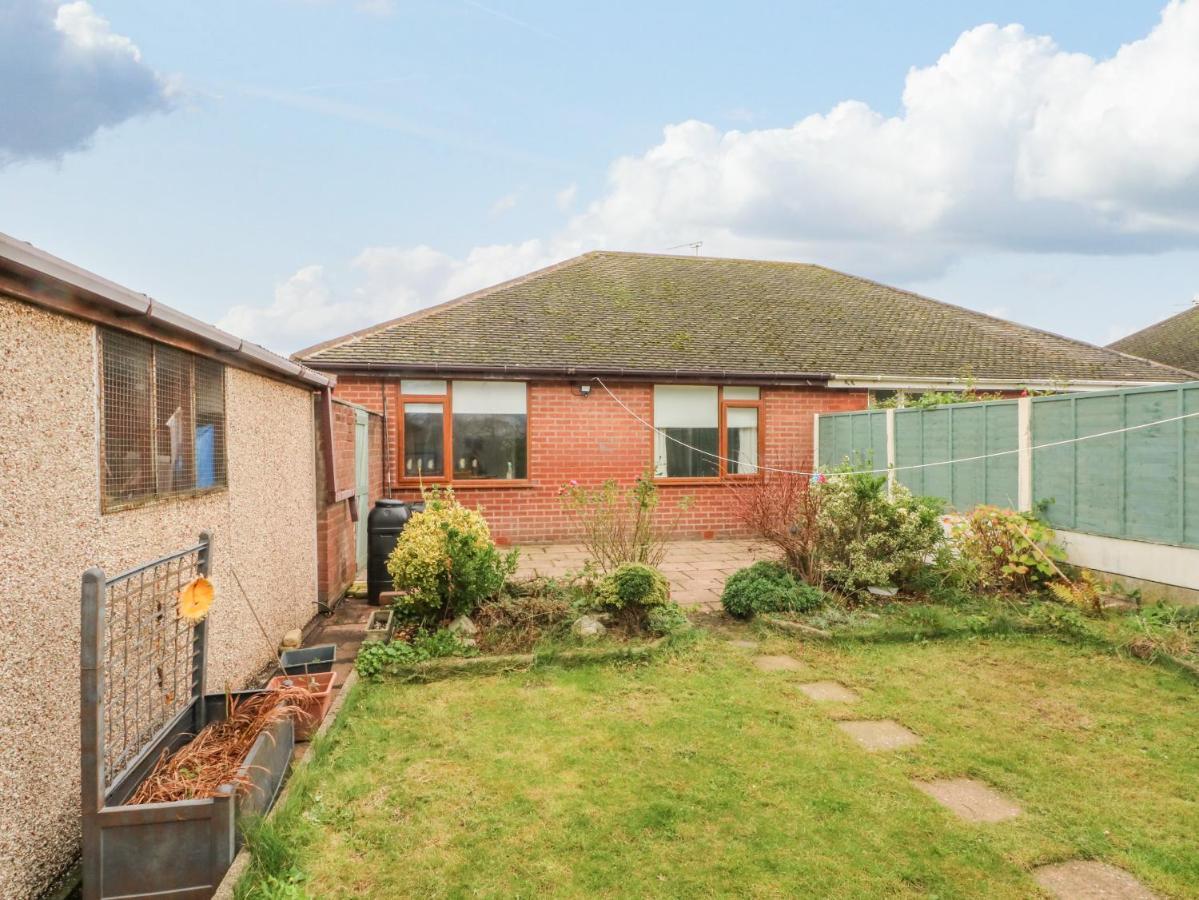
point(163, 420)
point(150, 657)
point(210, 424)
point(128, 445)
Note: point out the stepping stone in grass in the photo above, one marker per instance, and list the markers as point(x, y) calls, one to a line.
point(829, 692)
point(971, 800)
point(1090, 880)
point(880, 734)
point(777, 663)
point(745, 645)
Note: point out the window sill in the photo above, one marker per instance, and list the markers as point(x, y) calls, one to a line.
point(115, 506)
point(700, 482)
point(489, 484)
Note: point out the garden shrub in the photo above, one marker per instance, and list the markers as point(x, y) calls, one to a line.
point(868, 538)
point(622, 525)
point(784, 509)
point(767, 587)
point(379, 657)
point(445, 561)
point(632, 585)
point(1010, 551)
point(525, 613)
point(666, 619)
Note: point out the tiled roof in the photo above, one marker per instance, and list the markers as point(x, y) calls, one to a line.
point(610, 312)
point(1174, 341)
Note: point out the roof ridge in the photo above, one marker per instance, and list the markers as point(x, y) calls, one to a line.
point(999, 321)
point(418, 314)
point(691, 257)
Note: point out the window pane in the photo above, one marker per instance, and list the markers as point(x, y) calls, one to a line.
point(742, 440)
point(421, 388)
point(741, 393)
point(688, 414)
point(210, 424)
point(490, 429)
point(424, 446)
point(128, 473)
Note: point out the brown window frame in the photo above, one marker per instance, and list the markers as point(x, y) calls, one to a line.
point(446, 401)
point(110, 502)
point(722, 449)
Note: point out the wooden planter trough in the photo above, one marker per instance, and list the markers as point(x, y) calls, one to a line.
point(135, 706)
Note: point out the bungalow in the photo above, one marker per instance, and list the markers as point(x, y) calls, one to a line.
point(701, 370)
point(1173, 341)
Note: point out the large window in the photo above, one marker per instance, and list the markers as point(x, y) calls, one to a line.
point(163, 421)
point(705, 431)
point(480, 426)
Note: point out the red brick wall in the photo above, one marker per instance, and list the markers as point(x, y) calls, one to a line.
point(336, 533)
point(591, 439)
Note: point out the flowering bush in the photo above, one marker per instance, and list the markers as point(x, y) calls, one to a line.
point(868, 538)
point(621, 525)
point(445, 562)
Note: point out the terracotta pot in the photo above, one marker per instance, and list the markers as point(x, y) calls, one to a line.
point(315, 705)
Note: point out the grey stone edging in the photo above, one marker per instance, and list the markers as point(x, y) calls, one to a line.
point(449, 667)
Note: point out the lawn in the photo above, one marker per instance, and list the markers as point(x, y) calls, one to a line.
point(698, 774)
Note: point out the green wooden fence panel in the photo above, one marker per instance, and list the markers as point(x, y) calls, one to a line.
point(858, 438)
point(1141, 484)
point(1002, 487)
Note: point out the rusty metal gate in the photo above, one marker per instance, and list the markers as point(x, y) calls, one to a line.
point(142, 693)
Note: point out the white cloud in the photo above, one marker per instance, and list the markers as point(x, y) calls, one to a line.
point(1007, 142)
point(64, 75)
point(504, 203)
point(565, 198)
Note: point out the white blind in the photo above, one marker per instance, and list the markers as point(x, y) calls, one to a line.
point(501, 398)
point(740, 417)
point(685, 406)
point(737, 392)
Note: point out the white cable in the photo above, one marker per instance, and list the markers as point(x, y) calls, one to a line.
point(944, 462)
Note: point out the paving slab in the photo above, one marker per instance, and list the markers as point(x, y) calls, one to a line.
point(1090, 880)
point(778, 663)
point(829, 692)
point(880, 734)
point(970, 800)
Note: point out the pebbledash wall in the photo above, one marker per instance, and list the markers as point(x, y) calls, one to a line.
point(591, 439)
point(51, 530)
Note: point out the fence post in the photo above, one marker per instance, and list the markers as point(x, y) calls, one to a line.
point(890, 452)
point(1024, 453)
point(816, 442)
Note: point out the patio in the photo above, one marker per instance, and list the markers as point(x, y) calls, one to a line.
point(697, 569)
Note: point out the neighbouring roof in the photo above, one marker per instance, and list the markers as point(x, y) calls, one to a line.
point(608, 312)
point(1174, 341)
point(46, 280)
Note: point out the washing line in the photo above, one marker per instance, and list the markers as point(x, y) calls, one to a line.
point(943, 462)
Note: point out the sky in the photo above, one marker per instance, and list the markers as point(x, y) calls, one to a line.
point(292, 170)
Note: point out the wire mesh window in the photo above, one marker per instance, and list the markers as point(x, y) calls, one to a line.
point(163, 421)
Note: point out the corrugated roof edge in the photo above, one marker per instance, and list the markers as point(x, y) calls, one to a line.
point(130, 303)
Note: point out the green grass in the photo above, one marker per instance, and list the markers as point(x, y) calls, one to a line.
point(699, 775)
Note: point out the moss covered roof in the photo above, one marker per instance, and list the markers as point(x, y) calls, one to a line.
point(1174, 341)
point(609, 312)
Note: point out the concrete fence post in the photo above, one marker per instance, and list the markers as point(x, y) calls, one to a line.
point(1024, 454)
point(816, 442)
point(890, 419)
